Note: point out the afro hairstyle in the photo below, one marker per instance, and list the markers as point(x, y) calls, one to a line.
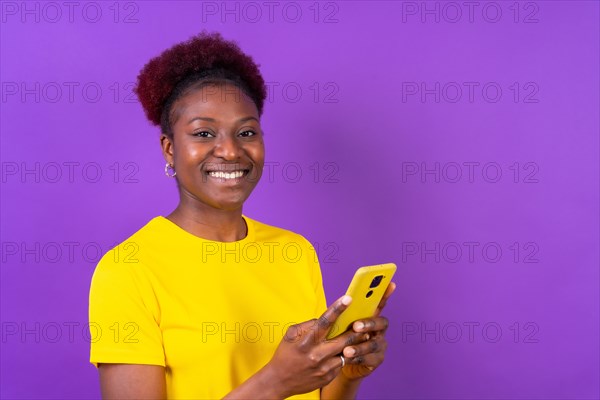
point(206, 58)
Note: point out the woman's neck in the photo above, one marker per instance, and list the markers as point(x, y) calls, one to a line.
point(210, 224)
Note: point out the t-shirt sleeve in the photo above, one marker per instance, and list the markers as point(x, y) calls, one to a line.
point(123, 316)
point(317, 278)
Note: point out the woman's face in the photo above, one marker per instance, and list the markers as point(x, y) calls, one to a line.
point(217, 148)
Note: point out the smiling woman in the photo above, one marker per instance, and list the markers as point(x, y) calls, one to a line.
point(213, 306)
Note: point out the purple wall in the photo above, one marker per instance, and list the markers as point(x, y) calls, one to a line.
point(457, 139)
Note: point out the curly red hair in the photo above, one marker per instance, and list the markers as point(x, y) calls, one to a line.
point(206, 57)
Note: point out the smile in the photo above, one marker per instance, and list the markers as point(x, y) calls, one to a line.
point(227, 175)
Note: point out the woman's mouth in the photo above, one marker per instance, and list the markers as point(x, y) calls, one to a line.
point(228, 175)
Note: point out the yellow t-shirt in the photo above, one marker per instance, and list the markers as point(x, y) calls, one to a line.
point(212, 313)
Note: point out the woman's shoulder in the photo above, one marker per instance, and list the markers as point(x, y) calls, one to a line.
point(126, 250)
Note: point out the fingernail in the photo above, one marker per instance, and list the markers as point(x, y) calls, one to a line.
point(360, 325)
point(351, 352)
point(367, 336)
point(346, 300)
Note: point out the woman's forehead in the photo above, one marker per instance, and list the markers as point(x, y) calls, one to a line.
point(222, 103)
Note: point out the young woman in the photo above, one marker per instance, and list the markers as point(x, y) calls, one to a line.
point(206, 302)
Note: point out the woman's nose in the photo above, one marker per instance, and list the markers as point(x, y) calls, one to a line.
point(227, 147)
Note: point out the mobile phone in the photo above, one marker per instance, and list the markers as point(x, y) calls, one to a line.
point(366, 289)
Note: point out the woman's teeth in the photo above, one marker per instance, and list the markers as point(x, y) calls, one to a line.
point(226, 175)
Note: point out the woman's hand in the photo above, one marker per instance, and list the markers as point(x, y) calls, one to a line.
point(363, 358)
point(305, 360)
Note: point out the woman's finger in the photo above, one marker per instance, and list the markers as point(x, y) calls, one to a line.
point(388, 292)
point(326, 320)
point(375, 345)
point(371, 360)
point(337, 344)
point(371, 324)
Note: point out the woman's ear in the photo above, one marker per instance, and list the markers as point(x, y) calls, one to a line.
point(166, 143)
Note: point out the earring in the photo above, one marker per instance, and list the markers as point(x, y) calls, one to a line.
point(167, 166)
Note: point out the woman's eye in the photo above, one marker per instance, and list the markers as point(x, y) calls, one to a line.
point(247, 133)
point(203, 134)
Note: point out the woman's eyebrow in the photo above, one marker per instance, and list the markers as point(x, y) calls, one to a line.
point(243, 119)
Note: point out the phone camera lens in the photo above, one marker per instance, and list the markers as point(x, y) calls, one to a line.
point(376, 281)
point(369, 293)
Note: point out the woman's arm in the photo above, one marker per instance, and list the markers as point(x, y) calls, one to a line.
point(136, 381)
point(340, 388)
point(132, 381)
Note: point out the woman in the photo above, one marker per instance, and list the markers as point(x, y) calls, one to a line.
point(206, 302)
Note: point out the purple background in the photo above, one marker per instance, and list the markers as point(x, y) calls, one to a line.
point(523, 324)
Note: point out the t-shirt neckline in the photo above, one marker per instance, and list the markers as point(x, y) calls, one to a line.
point(190, 236)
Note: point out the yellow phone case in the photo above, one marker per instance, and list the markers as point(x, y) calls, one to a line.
point(365, 298)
